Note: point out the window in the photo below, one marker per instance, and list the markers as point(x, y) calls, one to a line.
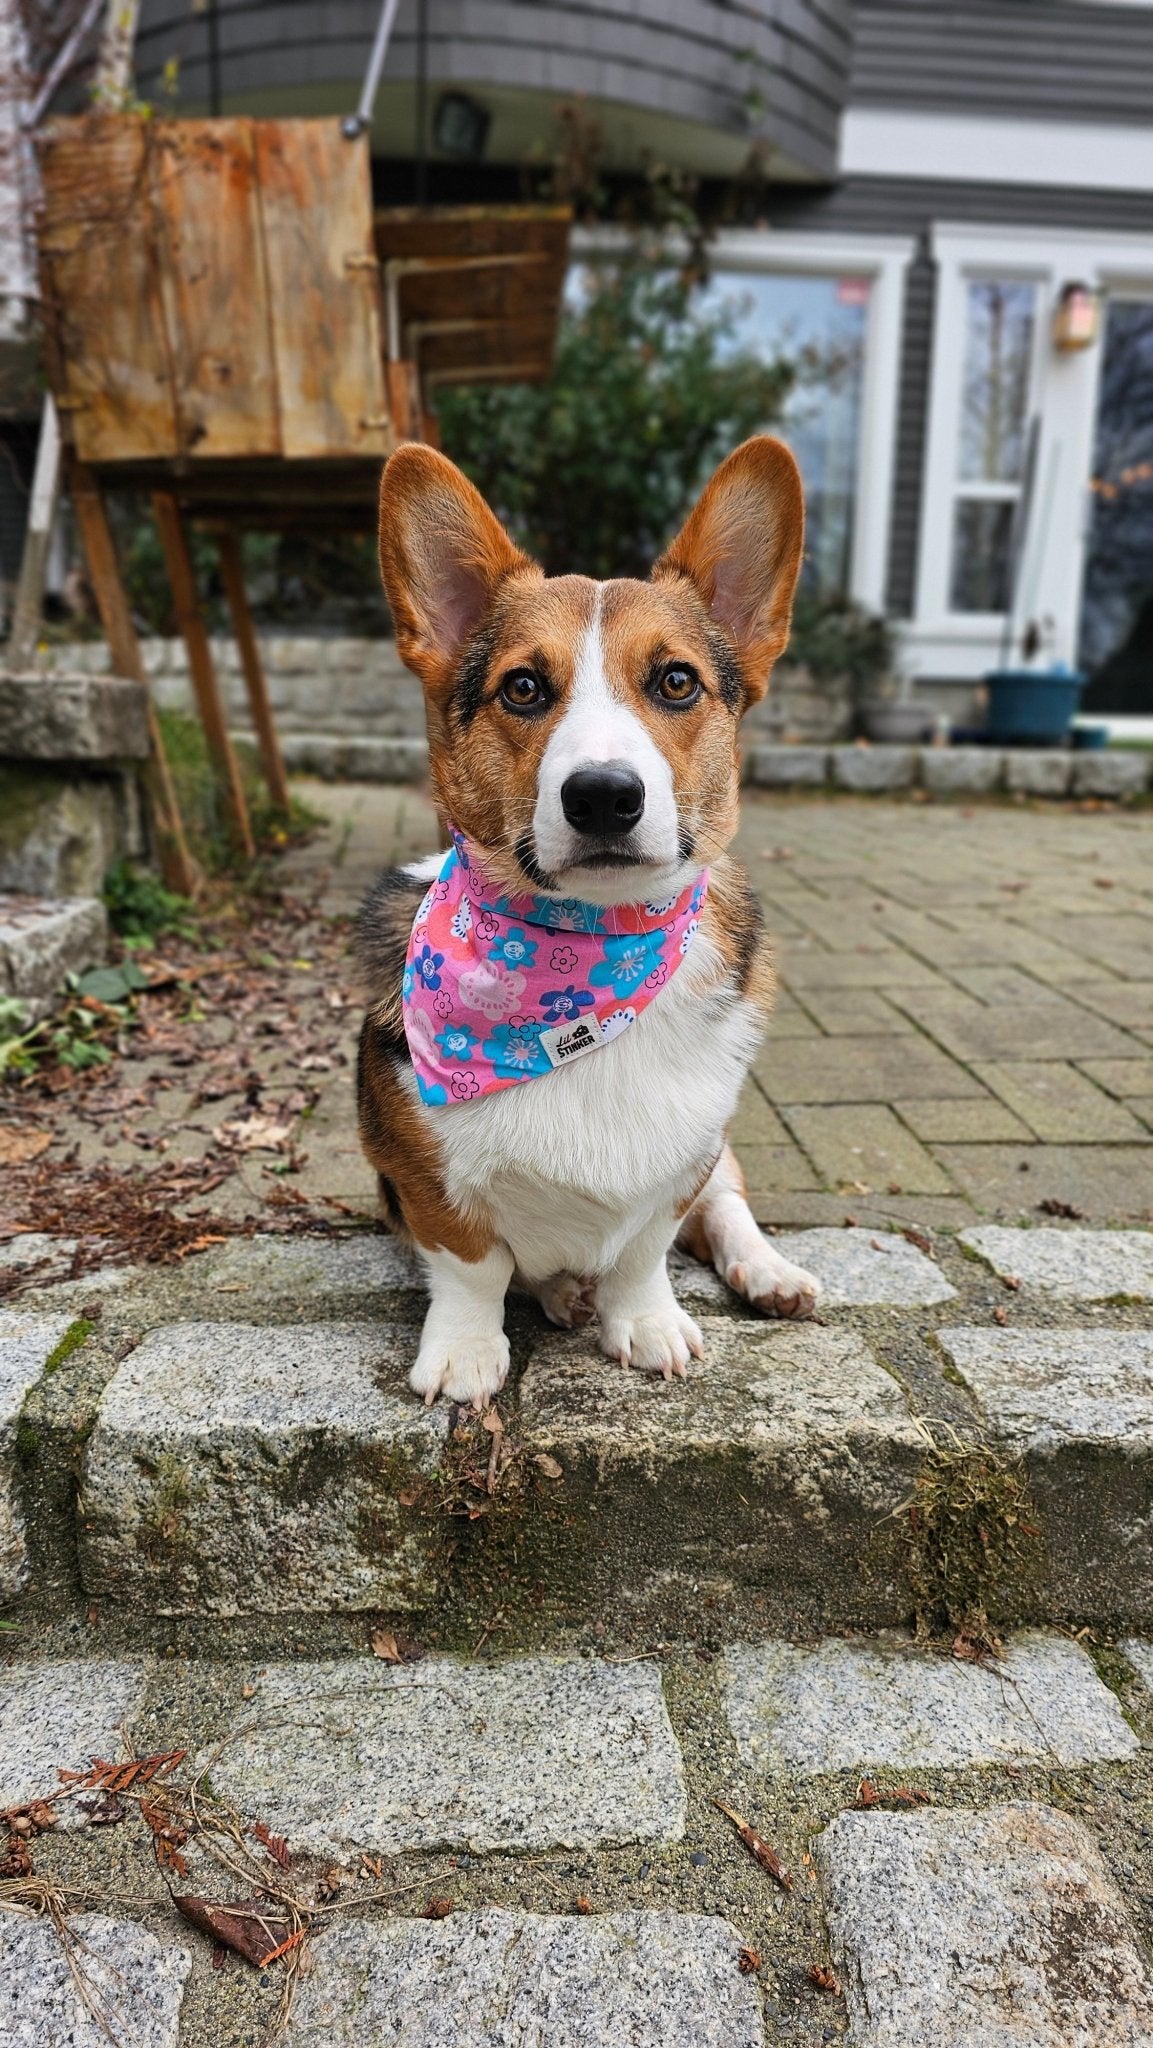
point(1000, 327)
point(819, 325)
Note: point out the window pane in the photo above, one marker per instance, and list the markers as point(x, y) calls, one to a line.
point(819, 324)
point(995, 393)
point(981, 532)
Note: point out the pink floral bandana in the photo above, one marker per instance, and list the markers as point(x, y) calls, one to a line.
point(499, 989)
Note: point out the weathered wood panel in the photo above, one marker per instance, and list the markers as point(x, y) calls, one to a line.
point(215, 288)
point(316, 204)
point(111, 371)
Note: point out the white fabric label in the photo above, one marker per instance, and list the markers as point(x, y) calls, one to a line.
point(567, 1042)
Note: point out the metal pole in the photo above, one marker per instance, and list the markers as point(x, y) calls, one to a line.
point(422, 102)
point(355, 124)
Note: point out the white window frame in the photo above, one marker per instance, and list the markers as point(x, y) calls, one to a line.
point(884, 261)
point(939, 643)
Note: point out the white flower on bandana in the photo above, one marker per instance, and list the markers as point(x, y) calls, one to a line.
point(687, 937)
point(492, 988)
point(462, 919)
point(616, 1022)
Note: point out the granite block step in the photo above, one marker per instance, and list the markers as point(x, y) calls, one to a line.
point(951, 1929)
point(26, 1344)
point(237, 1469)
point(1076, 1408)
point(487, 1980)
point(774, 1467)
point(352, 1755)
point(133, 1984)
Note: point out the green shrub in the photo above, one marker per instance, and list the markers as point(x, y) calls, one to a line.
point(595, 470)
point(834, 637)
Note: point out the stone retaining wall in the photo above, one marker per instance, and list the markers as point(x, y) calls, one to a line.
point(359, 689)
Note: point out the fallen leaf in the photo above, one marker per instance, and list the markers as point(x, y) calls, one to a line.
point(918, 1238)
point(276, 1845)
point(867, 1794)
point(550, 1466)
point(331, 1882)
point(824, 1978)
point(435, 1909)
point(251, 1927)
point(581, 1904)
point(125, 1777)
point(764, 1853)
point(18, 1144)
point(395, 1648)
point(749, 1961)
point(1051, 1206)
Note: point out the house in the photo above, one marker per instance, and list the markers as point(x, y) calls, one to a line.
point(952, 194)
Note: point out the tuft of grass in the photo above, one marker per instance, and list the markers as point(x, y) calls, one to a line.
point(202, 804)
point(972, 1537)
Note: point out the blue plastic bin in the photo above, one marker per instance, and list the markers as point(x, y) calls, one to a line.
point(1032, 706)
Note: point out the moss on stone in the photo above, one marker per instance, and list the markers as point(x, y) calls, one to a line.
point(27, 1443)
point(972, 1538)
point(74, 1336)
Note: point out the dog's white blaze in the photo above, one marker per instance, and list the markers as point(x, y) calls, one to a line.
point(597, 726)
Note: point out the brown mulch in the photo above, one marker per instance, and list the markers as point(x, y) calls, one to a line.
point(239, 1026)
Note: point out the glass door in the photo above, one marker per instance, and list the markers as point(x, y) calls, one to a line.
point(1117, 601)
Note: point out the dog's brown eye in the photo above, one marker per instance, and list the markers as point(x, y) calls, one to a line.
point(522, 691)
point(678, 686)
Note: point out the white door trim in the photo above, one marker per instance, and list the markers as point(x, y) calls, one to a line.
point(938, 642)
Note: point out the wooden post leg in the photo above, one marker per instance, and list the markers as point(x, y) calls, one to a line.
point(271, 760)
point(182, 579)
point(176, 863)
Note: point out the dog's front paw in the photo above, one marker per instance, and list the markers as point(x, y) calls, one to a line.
point(661, 1341)
point(774, 1285)
point(469, 1369)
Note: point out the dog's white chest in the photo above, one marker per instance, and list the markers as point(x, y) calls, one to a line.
point(572, 1164)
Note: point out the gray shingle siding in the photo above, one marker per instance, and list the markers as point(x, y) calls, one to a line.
point(1046, 62)
point(697, 59)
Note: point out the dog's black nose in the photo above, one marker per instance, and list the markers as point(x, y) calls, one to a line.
point(605, 801)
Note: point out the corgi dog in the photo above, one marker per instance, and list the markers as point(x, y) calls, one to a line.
point(588, 936)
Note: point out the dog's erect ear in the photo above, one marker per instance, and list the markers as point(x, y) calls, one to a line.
point(443, 555)
point(741, 547)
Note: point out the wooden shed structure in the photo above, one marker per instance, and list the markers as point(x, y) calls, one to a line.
point(231, 327)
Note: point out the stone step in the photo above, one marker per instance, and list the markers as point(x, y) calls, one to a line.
point(971, 1919)
point(268, 1460)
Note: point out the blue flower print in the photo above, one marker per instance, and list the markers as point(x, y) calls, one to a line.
point(427, 965)
point(559, 1003)
point(627, 962)
point(457, 1042)
point(432, 1092)
point(515, 1049)
point(408, 981)
point(515, 949)
point(566, 914)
